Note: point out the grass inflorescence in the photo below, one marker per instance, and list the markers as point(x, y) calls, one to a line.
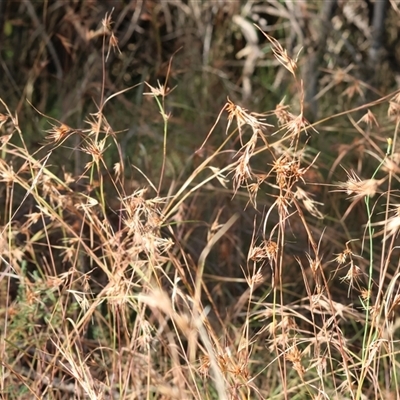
point(264, 269)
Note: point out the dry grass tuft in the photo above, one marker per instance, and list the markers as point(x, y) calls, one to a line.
point(237, 277)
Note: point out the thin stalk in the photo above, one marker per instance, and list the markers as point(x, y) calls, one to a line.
point(369, 334)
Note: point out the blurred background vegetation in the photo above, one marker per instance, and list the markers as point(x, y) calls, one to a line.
point(52, 58)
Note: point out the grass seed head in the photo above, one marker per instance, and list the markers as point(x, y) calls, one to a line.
point(357, 188)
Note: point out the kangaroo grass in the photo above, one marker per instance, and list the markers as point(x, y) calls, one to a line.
point(234, 279)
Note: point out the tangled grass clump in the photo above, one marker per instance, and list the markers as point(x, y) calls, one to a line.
point(118, 284)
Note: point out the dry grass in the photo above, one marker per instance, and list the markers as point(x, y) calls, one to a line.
point(152, 288)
